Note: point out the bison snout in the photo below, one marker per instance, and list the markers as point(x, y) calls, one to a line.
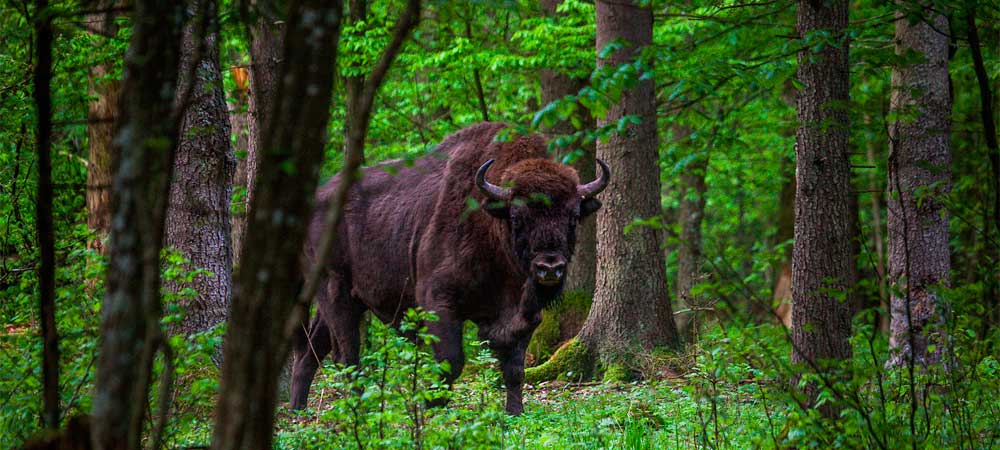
point(549, 270)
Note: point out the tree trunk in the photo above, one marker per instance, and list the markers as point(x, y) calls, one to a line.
point(631, 311)
point(919, 175)
point(42, 93)
point(689, 252)
point(145, 144)
point(782, 292)
point(266, 43)
point(102, 115)
point(239, 121)
point(198, 223)
point(555, 85)
point(265, 312)
point(822, 258)
point(878, 244)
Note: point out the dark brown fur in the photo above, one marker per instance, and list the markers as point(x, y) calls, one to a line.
point(408, 240)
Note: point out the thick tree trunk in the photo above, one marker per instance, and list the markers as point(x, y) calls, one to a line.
point(556, 85)
point(265, 312)
point(239, 122)
point(145, 144)
point(689, 252)
point(919, 176)
point(631, 311)
point(198, 222)
point(822, 260)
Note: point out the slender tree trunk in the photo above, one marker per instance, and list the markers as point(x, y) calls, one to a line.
point(631, 311)
point(992, 297)
point(102, 115)
point(131, 311)
point(782, 292)
point(198, 223)
point(689, 252)
point(43, 215)
point(265, 310)
point(822, 258)
point(266, 42)
point(919, 175)
point(878, 239)
point(239, 122)
point(556, 85)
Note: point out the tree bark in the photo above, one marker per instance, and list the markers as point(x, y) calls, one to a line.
point(822, 258)
point(265, 310)
point(198, 223)
point(131, 311)
point(42, 93)
point(239, 122)
point(631, 311)
point(266, 42)
point(102, 116)
point(556, 85)
point(919, 176)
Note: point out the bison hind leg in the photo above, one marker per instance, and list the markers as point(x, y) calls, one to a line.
point(309, 351)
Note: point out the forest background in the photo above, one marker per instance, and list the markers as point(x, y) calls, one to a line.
point(729, 90)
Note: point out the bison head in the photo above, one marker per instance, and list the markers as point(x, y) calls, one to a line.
point(542, 207)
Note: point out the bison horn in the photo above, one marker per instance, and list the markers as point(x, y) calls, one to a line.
point(491, 191)
point(595, 187)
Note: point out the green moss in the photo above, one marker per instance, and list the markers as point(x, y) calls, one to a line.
point(571, 362)
point(560, 322)
point(617, 373)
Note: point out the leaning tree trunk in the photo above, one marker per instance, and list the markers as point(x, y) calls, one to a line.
point(556, 85)
point(198, 222)
point(631, 311)
point(265, 312)
point(130, 328)
point(919, 178)
point(822, 262)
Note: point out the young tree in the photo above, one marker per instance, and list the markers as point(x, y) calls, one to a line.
point(130, 327)
point(43, 215)
point(555, 85)
point(822, 258)
point(239, 122)
point(631, 311)
point(198, 222)
point(689, 250)
point(265, 312)
point(919, 176)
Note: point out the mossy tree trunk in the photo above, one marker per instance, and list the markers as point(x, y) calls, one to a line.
point(631, 312)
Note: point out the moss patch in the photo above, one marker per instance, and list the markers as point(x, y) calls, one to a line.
point(571, 362)
point(560, 323)
point(617, 373)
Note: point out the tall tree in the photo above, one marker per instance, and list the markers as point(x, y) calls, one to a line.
point(556, 84)
point(919, 176)
point(102, 113)
point(822, 258)
point(42, 93)
point(265, 311)
point(689, 250)
point(631, 309)
point(198, 222)
point(145, 143)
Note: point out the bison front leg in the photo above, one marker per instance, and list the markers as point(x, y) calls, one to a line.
point(512, 365)
point(448, 348)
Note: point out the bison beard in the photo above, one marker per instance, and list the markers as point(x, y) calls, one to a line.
point(407, 240)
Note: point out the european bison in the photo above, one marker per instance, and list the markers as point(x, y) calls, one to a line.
point(407, 239)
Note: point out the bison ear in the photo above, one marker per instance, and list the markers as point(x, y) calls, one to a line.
point(589, 206)
point(500, 210)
